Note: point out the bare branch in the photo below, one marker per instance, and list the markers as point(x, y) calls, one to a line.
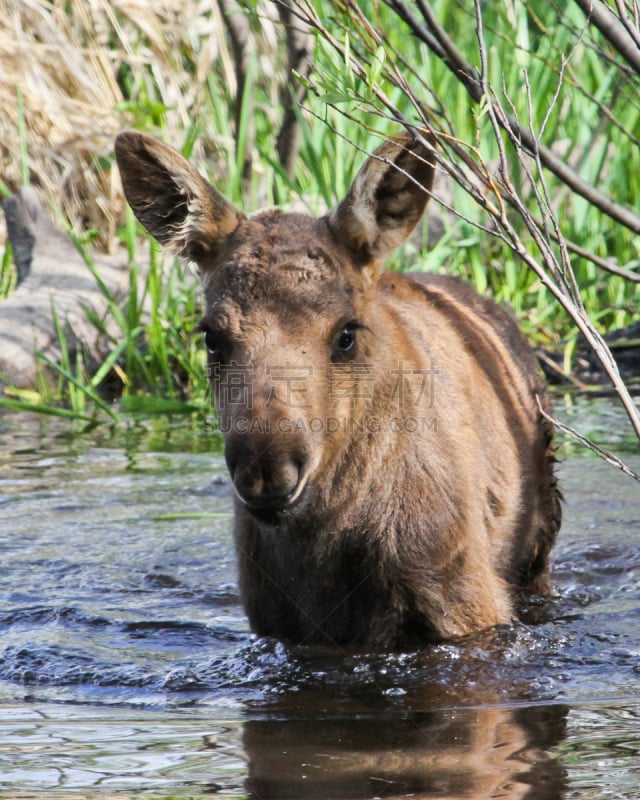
point(491, 188)
point(525, 138)
point(610, 458)
point(572, 305)
point(630, 26)
point(613, 30)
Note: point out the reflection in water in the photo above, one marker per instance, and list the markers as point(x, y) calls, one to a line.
point(468, 753)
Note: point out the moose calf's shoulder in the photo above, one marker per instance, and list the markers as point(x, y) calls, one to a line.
point(393, 472)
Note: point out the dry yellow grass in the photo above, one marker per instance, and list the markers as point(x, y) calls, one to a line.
point(64, 59)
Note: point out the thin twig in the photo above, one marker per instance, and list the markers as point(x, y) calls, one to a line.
point(483, 188)
point(613, 31)
point(576, 312)
point(605, 455)
point(468, 76)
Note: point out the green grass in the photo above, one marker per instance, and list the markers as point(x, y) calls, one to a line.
point(156, 362)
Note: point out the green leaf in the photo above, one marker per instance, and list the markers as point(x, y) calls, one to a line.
point(39, 408)
point(377, 63)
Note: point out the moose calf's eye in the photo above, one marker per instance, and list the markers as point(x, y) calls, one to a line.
point(212, 343)
point(346, 340)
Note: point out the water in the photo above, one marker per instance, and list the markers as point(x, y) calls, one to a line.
point(127, 668)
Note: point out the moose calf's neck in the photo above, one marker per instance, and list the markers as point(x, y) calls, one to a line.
point(392, 469)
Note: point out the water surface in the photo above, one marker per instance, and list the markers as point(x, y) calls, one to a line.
point(127, 667)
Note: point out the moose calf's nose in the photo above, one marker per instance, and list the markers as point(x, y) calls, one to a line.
point(267, 480)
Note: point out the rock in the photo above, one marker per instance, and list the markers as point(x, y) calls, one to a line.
point(51, 274)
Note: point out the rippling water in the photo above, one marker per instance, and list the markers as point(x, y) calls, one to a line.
point(127, 668)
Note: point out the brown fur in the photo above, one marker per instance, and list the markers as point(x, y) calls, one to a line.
point(395, 492)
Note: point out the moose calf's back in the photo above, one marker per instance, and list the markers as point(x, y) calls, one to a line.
point(392, 469)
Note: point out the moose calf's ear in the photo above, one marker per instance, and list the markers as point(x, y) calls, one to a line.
point(170, 198)
point(386, 199)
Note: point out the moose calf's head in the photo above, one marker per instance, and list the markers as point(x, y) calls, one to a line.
point(353, 525)
point(289, 304)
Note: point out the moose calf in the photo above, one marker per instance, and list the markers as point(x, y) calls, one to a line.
point(393, 473)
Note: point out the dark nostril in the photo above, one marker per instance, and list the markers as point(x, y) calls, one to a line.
point(285, 480)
